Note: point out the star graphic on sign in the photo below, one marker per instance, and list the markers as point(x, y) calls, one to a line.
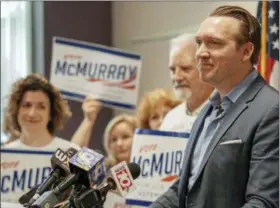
point(274, 28)
point(271, 13)
point(275, 44)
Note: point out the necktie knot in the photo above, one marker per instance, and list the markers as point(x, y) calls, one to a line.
point(220, 110)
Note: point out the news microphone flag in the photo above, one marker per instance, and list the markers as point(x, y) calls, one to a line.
point(91, 163)
point(121, 175)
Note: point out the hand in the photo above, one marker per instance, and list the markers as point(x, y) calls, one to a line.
point(91, 108)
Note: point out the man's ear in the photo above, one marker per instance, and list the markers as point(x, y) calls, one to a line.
point(248, 49)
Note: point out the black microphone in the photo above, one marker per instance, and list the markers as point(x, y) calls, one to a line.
point(25, 198)
point(96, 197)
point(87, 168)
point(59, 163)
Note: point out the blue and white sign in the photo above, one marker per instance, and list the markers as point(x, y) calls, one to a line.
point(160, 156)
point(21, 170)
point(108, 74)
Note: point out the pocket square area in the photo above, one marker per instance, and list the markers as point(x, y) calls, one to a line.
point(236, 141)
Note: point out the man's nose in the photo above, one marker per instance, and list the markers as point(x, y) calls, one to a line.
point(202, 52)
point(177, 75)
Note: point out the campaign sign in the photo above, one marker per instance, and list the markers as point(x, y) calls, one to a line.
point(21, 170)
point(108, 74)
point(160, 156)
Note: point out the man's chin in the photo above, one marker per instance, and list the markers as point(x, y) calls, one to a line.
point(182, 94)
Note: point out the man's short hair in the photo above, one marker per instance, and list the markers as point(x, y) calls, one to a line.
point(249, 30)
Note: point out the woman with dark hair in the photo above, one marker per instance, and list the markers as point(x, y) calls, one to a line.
point(35, 111)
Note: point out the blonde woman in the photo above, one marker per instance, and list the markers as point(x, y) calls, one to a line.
point(154, 106)
point(118, 138)
point(118, 134)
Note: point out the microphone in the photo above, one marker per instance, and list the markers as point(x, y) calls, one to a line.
point(121, 178)
point(25, 198)
point(59, 163)
point(120, 181)
point(86, 167)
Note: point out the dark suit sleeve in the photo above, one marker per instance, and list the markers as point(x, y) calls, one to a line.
point(169, 199)
point(263, 183)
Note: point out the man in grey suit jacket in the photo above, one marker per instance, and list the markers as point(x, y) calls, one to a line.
point(232, 157)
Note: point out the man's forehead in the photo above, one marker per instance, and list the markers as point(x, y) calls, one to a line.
point(183, 56)
point(217, 26)
point(185, 48)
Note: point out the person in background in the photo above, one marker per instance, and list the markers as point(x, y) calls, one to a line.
point(91, 108)
point(118, 138)
point(186, 84)
point(35, 111)
point(117, 141)
point(153, 107)
point(118, 134)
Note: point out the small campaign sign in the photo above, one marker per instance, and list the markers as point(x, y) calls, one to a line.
point(160, 156)
point(21, 170)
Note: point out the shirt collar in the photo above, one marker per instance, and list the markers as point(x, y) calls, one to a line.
point(236, 92)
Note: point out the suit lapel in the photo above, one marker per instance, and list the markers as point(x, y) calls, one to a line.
point(229, 119)
point(188, 152)
point(231, 116)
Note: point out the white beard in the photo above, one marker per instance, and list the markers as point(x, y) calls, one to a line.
point(183, 95)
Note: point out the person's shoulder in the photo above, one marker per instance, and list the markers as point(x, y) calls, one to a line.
point(177, 111)
point(269, 96)
point(271, 92)
point(264, 103)
point(13, 144)
point(174, 119)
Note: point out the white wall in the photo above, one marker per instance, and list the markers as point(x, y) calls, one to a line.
point(147, 27)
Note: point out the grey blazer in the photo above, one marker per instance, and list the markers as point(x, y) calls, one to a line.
point(241, 166)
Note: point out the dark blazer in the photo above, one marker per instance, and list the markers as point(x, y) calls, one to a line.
point(241, 165)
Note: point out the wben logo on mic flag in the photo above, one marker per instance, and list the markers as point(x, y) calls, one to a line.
point(109, 74)
point(90, 162)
